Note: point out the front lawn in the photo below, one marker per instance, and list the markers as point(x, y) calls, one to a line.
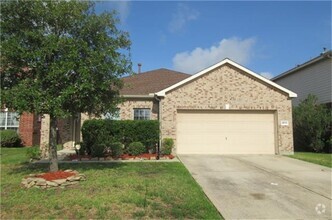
point(317, 158)
point(111, 191)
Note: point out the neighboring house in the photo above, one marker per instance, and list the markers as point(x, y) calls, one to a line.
point(224, 109)
point(27, 125)
point(311, 77)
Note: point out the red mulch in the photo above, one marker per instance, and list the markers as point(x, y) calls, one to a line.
point(170, 156)
point(123, 156)
point(56, 175)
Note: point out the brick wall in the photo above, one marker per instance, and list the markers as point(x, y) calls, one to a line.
point(229, 85)
point(68, 132)
point(29, 129)
point(127, 108)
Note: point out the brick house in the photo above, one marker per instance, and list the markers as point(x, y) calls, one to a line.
point(27, 125)
point(223, 109)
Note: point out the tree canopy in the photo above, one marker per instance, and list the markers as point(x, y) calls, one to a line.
point(312, 125)
point(61, 58)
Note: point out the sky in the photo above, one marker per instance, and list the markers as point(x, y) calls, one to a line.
point(266, 37)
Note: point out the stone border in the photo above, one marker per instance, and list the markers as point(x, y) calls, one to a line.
point(33, 180)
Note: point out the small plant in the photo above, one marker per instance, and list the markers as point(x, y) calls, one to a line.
point(136, 148)
point(33, 153)
point(116, 149)
point(167, 146)
point(10, 138)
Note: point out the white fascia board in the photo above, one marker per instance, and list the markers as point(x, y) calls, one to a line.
point(162, 93)
point(151, 95)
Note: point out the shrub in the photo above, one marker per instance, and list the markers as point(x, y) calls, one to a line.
point(151, 148)
point(167, 146)
point(90, 132)
point(102, 141)
point(311, 122)
point(33, 153)
point(116, 149)
point(136, 148)
point(10, 138)
point(124, 131)
point(98, 150)
point(84, 149)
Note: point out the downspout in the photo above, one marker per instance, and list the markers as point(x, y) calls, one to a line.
point(159, 119)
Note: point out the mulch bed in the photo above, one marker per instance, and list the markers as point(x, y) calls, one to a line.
point(56, 175)
point(58, 179)
point(145, 156)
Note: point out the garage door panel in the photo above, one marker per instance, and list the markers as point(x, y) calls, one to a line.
point(225, 133)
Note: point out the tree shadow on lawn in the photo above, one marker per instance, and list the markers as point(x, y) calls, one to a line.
point(28, 168)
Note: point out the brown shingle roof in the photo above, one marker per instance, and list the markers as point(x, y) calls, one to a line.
point(151, 81)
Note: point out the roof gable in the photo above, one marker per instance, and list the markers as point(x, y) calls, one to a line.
point(223, 62)
point(322, 56)
point(151, 82)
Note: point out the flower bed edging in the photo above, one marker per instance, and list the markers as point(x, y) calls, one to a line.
point(145, 156)
point(36, 180)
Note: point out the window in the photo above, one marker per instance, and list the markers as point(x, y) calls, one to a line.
point(112, 116)
point(9, 120)
point(141, 114)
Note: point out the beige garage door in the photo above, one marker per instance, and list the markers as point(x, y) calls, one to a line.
point(225, 132)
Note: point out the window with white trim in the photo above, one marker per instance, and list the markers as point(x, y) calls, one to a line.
point(112, 116)
point(9, 120)
point(142, 114)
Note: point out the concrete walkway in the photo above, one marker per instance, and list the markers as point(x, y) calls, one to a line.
point(263, 187)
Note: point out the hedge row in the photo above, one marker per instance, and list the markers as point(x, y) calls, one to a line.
point(10, 138)
point(124, 131)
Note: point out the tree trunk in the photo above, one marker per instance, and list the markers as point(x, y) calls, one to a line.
point(53, 148)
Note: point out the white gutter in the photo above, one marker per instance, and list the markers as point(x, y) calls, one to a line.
point(150, 96)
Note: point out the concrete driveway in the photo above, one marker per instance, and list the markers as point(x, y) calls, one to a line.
point(263, 186)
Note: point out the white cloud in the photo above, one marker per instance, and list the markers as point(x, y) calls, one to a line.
point(181, 17)
point(122, 7)
point(267, 75)
point(235, 49)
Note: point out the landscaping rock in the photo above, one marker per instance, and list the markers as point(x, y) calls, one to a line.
point(60, 181)
point(73, 178)
point(38, 179)
point(29, 185)
point(51, 183)
point(34, 180)
point(40, 183)
point(69, 170)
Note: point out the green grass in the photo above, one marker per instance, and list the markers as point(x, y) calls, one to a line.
point(111, 191)
point(317, 158)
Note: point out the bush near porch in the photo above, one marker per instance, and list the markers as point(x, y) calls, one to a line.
point(102, 134)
